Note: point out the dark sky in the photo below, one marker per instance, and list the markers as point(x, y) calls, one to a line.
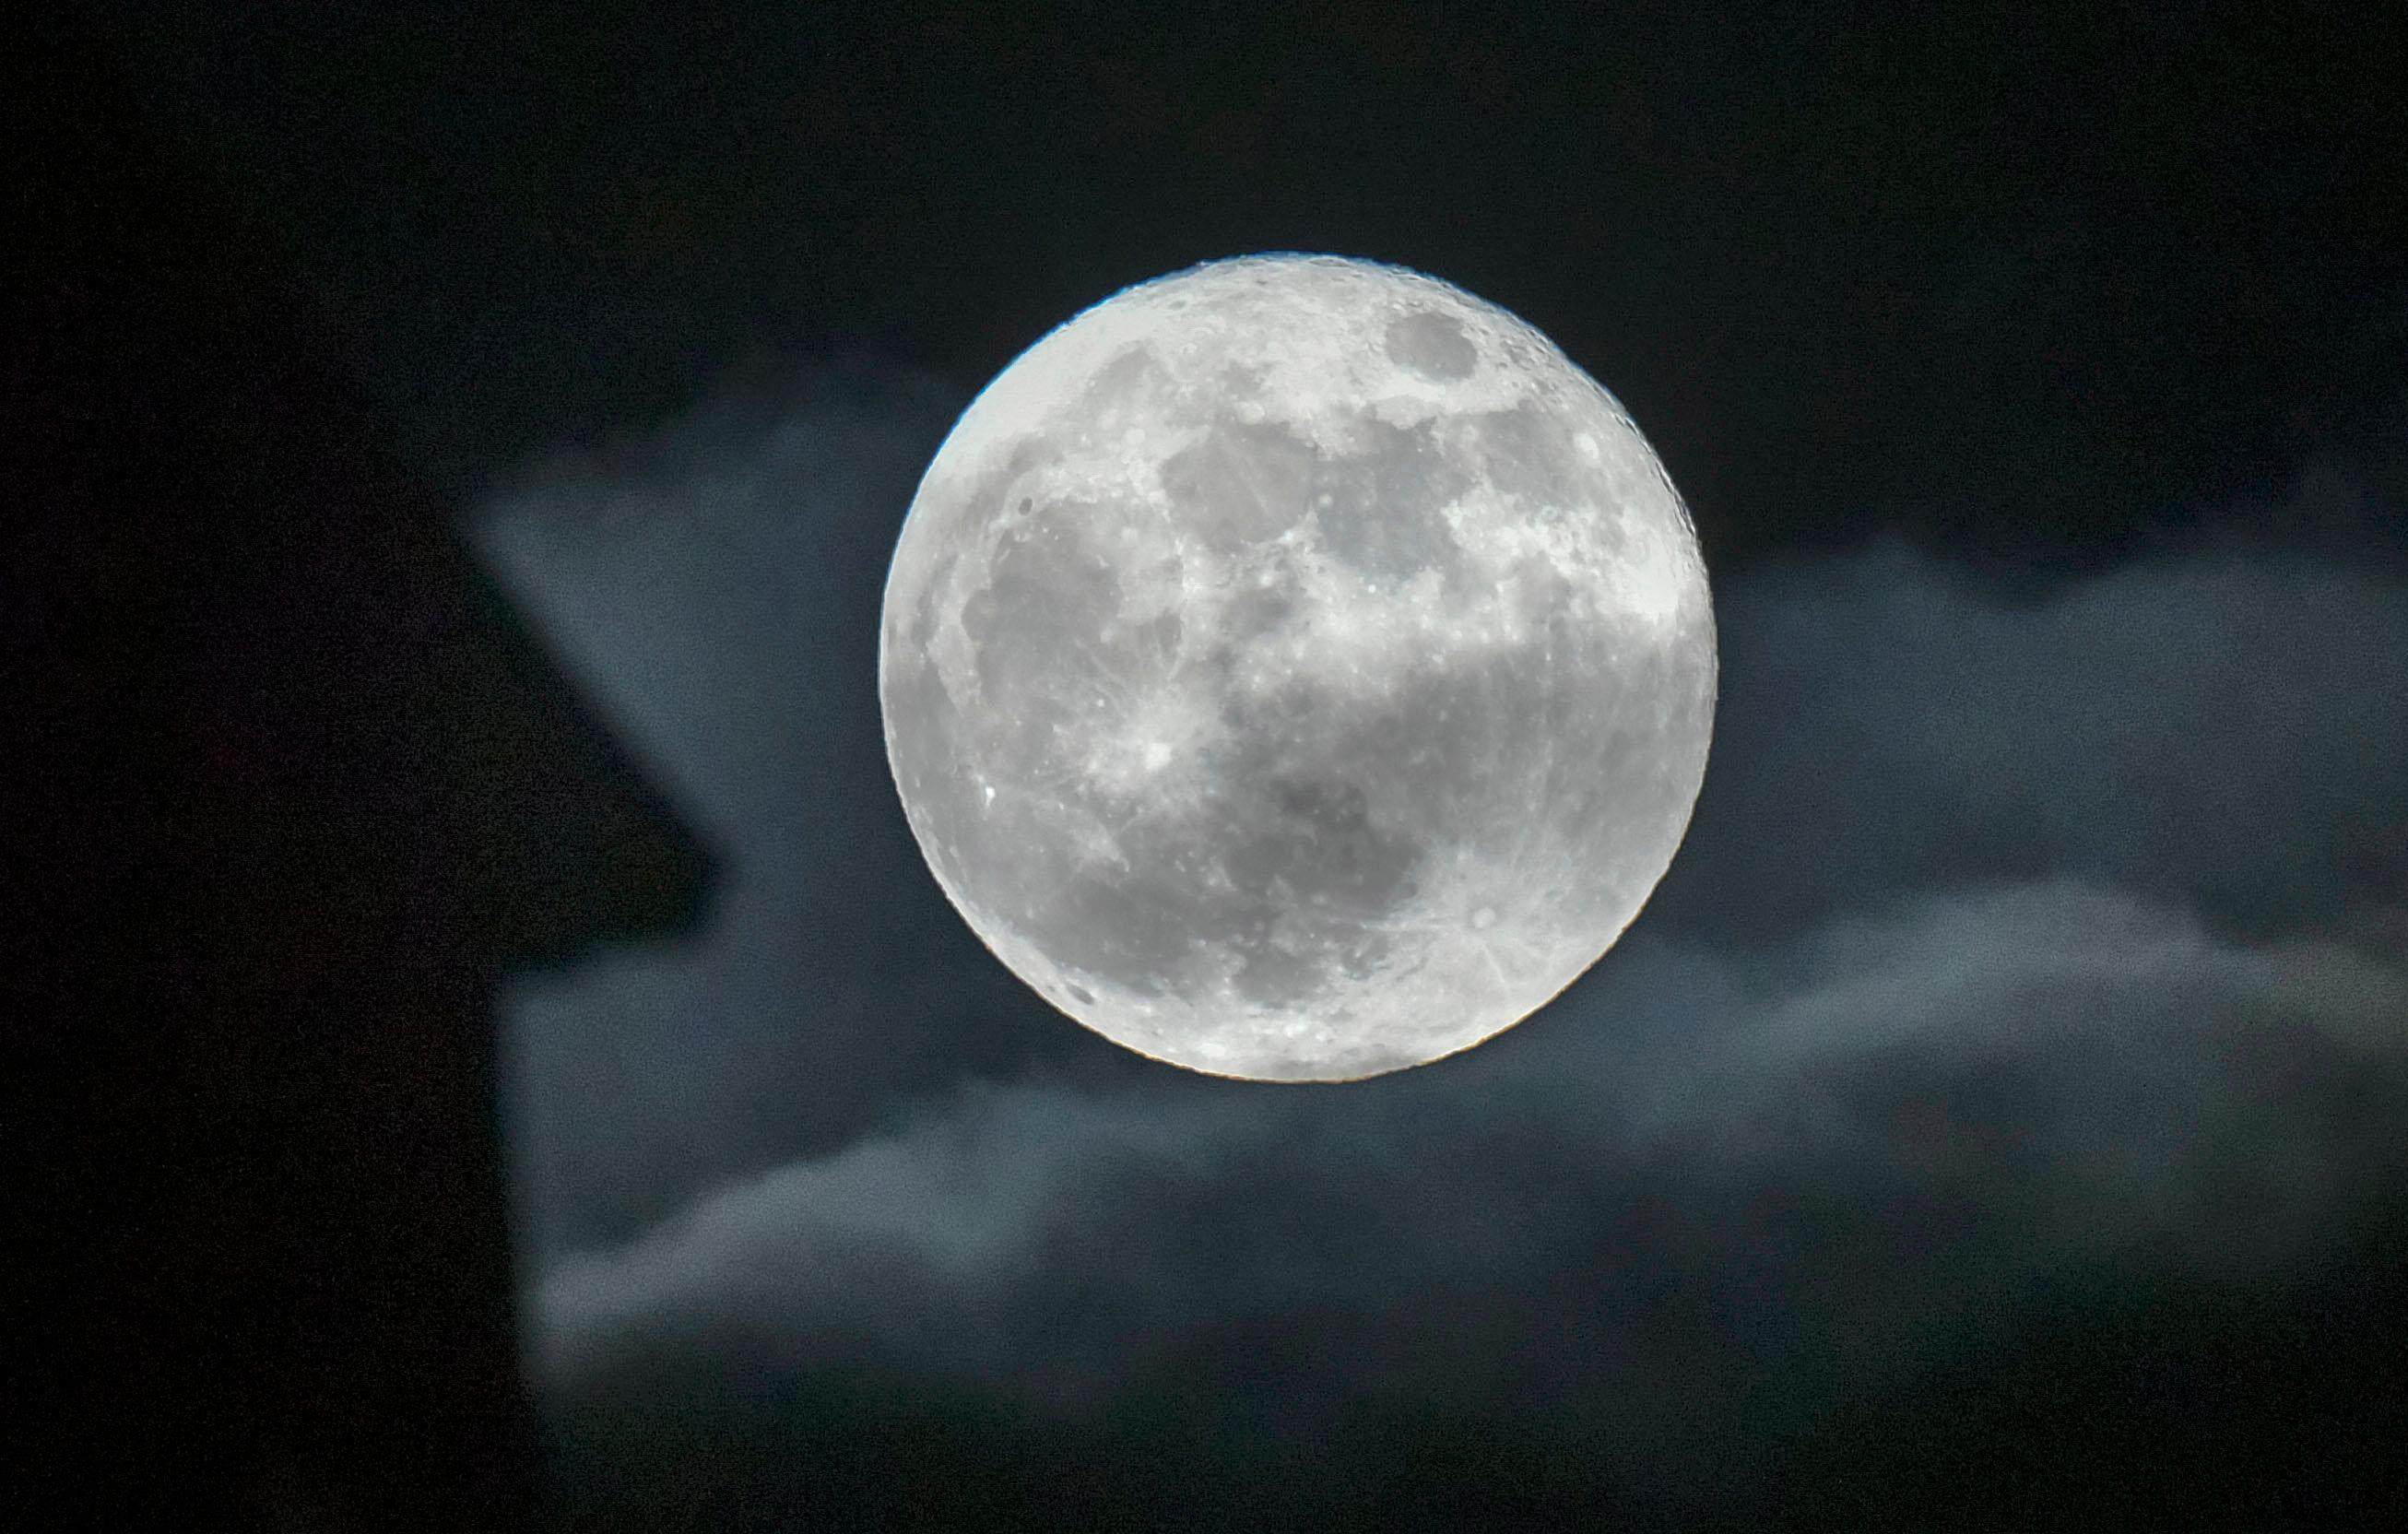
point(2000, 1117)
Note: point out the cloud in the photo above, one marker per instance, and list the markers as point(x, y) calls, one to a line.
point(2014, 935)
point(1951, 1094)
point(717, 590)
point(2221, 730)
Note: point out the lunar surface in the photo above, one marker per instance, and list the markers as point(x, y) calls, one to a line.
point(1296, 668)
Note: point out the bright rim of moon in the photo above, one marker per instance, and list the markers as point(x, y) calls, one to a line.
point(1296, 668)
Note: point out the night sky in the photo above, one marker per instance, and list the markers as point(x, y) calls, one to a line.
point(1997, 1120)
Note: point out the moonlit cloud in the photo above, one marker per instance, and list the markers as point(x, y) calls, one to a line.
point(2058, 1069)
point(2012, 936)
point(2219, 730)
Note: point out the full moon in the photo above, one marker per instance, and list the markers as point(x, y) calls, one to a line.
point(1296, 668)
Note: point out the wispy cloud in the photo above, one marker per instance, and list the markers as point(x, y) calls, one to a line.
point(2011, 935)
point(1938, 1098)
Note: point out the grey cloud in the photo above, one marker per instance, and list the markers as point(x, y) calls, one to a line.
point(717, 592)
point(2225, 729)
point(1942, 1099)
point(2011, 936)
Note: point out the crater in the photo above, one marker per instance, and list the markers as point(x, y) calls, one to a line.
point(1134, 374)
point(1244, 484)
point(1384, 510)
point(1315, 841)
point(1045, 604)
point(1531, 452)
point(1431, 345)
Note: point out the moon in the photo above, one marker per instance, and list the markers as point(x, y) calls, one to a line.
point(1296, 668)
